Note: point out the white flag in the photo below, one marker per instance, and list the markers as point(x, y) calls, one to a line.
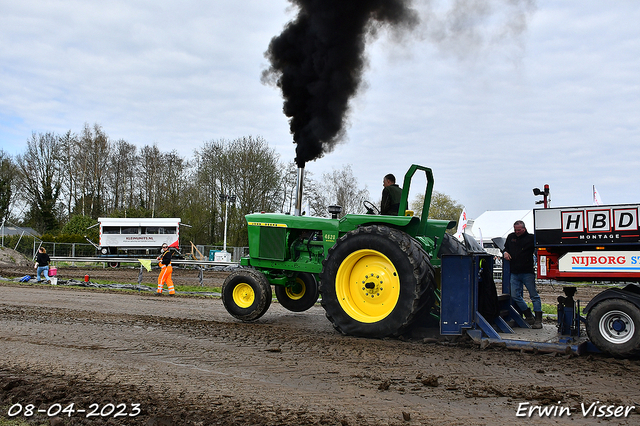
point(597, 201)
point(462, 224)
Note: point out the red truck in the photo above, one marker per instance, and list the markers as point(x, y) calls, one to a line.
point(596, 243)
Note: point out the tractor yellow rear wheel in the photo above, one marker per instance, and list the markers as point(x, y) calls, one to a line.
point(374, 282)
point(367, 285)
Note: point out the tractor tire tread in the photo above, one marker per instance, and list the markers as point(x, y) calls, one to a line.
point(423, 276)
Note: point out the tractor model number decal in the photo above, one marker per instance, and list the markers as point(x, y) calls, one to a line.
point(329, 237)
point(279, 225)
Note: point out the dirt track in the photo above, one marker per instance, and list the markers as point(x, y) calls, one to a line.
point(186, 361)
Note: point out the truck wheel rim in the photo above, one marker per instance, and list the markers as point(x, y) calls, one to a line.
point(617, 327)
point(297, 291)
point(243, 295)
point(367, 286)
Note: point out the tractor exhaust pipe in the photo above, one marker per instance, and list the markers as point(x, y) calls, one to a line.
point(298, 208)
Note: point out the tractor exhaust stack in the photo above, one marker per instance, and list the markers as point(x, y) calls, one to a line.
point(298, 208)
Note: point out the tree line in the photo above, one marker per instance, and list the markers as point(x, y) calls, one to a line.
point(62, 183)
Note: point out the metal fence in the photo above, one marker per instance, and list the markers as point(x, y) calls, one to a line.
point(203, 252)
point(208, 252)
point(69, 249)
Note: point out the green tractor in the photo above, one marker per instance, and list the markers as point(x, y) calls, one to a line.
point(376, 273)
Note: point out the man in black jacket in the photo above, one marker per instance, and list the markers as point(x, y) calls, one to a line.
point(391, 195)
point(518, 250)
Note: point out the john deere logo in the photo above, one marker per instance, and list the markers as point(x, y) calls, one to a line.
point(278, 225)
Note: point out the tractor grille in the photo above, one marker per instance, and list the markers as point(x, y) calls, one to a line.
point(272, 243)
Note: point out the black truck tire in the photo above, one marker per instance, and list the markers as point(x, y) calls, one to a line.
point(374, 281)
point(301, 296)
point(246, 294)
point(613, 326)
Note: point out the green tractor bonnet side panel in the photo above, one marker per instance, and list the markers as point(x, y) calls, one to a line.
point(289, 243)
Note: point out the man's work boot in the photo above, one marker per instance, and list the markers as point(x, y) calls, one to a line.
point(538, 320)
point(528, 317)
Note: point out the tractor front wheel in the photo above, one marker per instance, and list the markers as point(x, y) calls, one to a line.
point(246, 294)
point(300, 296)
point(374, 281)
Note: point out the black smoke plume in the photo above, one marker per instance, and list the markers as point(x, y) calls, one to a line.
point(318, 62)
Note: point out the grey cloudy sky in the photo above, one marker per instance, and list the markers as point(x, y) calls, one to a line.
point(497, 98)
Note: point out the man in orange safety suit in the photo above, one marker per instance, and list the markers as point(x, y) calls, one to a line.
point(165, 272)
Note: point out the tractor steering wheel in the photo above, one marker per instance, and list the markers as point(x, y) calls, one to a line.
point(371, 208)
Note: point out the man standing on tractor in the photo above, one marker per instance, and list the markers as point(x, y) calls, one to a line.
point(166, 271)
point(391, 195)
point(518, 250)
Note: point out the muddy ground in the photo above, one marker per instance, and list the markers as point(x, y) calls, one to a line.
point(184, 360)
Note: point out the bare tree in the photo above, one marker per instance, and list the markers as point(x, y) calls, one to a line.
point(340, 187)
point(245, 167)
point(8, 181)
point(208, 175)
point(150, 175)
point(288, 188)
point(173, 183)
point(90, 157)
point(121, 178)
point(253, 174)
point(93, 176)
point(69, 147)
point(41, 180)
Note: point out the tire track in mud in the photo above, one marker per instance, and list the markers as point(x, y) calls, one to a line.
point(288, 368)
point(160, 333)
point(249, 337)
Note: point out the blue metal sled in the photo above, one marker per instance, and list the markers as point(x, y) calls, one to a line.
point(463, 303)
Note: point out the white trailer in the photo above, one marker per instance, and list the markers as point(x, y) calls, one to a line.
point(132, 235)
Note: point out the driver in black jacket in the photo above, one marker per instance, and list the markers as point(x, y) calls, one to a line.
point(391, 195)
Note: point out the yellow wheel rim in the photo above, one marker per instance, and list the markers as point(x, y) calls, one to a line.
point(367, 286)
point(243, 295)
point(297, 291)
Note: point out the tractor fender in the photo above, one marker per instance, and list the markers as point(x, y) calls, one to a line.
point(630, 292)
point(408, 224)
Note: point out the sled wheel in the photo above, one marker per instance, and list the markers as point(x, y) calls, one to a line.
point(613, 325)
point(374, 281)
point(246, 294)
point(300, 296)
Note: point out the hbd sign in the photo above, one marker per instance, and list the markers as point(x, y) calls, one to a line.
point(596, 224)
point(600, 220)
